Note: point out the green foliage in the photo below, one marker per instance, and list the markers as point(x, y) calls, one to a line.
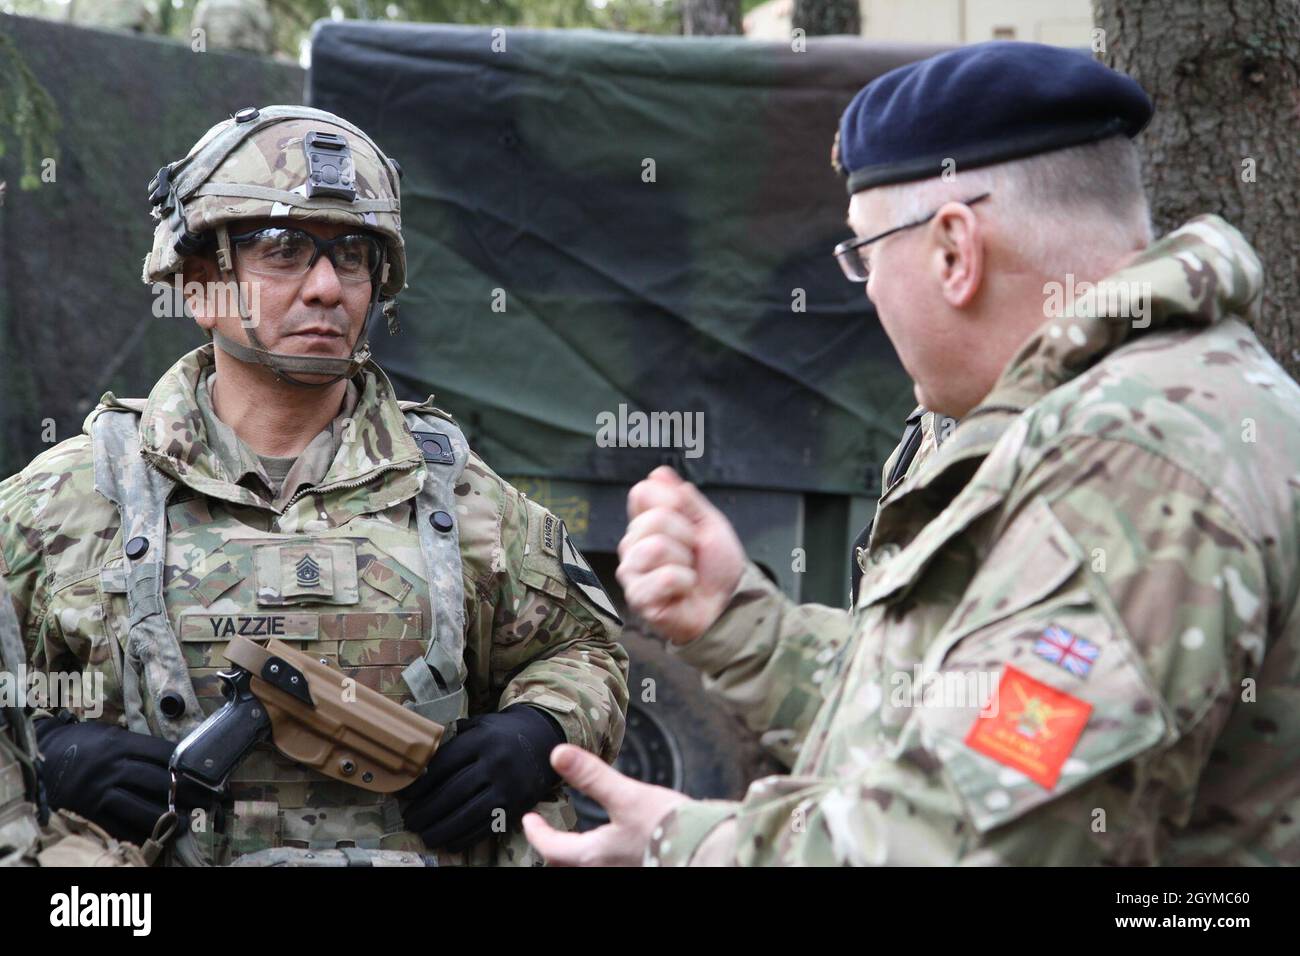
point(293, 18)
point(27, 113)
point(645, 16)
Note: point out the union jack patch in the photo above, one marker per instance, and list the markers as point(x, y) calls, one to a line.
point(1061, 647)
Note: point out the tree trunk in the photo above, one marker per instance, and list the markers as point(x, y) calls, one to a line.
point(1225, 138)
point(710, 17)
point(827, 17)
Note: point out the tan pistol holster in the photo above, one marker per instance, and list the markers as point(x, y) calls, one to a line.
point(334, 725)
point(153, 667)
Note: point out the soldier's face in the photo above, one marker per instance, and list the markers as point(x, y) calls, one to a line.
point(897, 289)
point(924, 283)
point(313, 314)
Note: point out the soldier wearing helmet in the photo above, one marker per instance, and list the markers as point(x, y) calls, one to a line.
point(272, 483)
point(284, 164)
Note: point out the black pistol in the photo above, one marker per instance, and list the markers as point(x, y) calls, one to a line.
point(314, 714)
point(212, 751)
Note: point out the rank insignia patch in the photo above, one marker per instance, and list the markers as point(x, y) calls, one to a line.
point(577, 570)
point(1035, 728)
point(308, 572)
point(1061, 647)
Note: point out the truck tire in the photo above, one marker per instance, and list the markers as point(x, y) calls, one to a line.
point(678, 736)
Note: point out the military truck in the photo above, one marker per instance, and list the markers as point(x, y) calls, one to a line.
point(619, 256)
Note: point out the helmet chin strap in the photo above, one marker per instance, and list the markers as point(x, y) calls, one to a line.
point(281, 364)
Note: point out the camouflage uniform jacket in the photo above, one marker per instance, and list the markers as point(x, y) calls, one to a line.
point(530, 636)
point(66, 839)
point(757, 602)
point(1079, 639)
point(924, 432)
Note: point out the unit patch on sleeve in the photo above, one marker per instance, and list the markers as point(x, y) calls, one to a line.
point(578, 571)
point(1034, 727)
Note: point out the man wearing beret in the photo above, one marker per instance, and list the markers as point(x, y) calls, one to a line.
point(1077, 640)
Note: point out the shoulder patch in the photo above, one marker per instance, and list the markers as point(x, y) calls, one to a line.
point(1029, 726)
point(551, 535)
point(579, 572)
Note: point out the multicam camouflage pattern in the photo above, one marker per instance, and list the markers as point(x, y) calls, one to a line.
point(273, 158)
point(782, 722)
point(935, 429)
point(1137, 488)
point(243, 466)
point(346, 856)
point(232, 565)
point(67, 839)
point(19, 830)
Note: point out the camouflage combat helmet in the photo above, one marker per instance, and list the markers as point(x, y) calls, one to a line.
point(279, 161)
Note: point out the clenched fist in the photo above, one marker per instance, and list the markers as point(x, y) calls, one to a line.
point(680, 559)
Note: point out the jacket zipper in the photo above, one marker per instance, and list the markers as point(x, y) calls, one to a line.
point(342, 485)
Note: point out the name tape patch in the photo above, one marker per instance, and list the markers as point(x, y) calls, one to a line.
point(222, 627)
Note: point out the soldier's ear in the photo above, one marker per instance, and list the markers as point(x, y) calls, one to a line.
point(198, 273)
point(958, 253)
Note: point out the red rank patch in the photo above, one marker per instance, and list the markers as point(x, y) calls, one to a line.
point(1035, 727)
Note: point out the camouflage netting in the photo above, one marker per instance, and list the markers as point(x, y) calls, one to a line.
point(523, 172)
point(75, 319)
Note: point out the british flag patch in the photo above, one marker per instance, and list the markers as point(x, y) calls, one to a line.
point(1061, 647)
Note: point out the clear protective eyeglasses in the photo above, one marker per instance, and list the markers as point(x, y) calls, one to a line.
point(286, 252)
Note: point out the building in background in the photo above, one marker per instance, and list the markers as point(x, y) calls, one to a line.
point(1060, 22)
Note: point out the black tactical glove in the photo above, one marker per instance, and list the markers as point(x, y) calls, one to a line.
point(496, 762)
point(110, 776)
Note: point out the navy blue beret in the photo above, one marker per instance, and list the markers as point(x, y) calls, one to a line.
point(982, 104)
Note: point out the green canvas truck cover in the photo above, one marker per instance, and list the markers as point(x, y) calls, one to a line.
point(601, 224)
